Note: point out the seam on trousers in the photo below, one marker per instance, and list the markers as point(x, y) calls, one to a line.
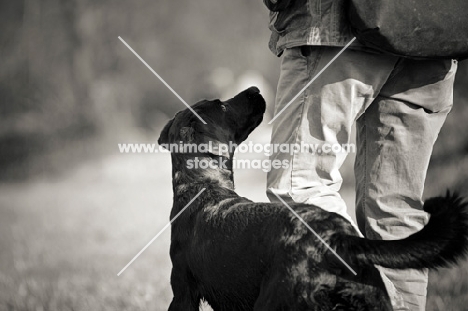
point(311, 69)
point(296, 134)
point(364, 200)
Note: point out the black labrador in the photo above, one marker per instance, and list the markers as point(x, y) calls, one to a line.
point(240, 255)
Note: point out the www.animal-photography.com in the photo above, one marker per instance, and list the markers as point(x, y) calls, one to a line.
point(234, 155)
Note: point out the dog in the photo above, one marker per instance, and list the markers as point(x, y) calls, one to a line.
point(240, 255)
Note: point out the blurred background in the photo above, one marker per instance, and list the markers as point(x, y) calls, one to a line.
point(73, 210)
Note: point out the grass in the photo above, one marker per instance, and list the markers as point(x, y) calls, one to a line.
point(63, 241)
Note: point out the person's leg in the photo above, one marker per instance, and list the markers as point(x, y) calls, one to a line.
point(323, 114)
point(395, 137)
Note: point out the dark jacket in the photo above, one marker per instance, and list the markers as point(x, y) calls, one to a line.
point(307, 22)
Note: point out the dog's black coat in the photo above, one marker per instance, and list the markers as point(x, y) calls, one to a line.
point(241, 255)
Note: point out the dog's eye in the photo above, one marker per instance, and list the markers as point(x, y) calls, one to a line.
point(224, 108)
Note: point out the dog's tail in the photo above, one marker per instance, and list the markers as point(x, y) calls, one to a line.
point(441, 242)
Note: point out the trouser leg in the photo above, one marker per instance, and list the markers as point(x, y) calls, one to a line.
point(395, 137)
point(321, 116)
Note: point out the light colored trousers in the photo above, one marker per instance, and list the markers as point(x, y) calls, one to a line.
point(399, 106)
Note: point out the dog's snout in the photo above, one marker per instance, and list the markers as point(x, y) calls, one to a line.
point(253, 90)
point(250, 93)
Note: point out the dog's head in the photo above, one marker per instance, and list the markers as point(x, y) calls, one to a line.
point(227, 122)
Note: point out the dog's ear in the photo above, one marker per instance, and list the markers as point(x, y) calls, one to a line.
point(186, 133)
point(164, 136)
